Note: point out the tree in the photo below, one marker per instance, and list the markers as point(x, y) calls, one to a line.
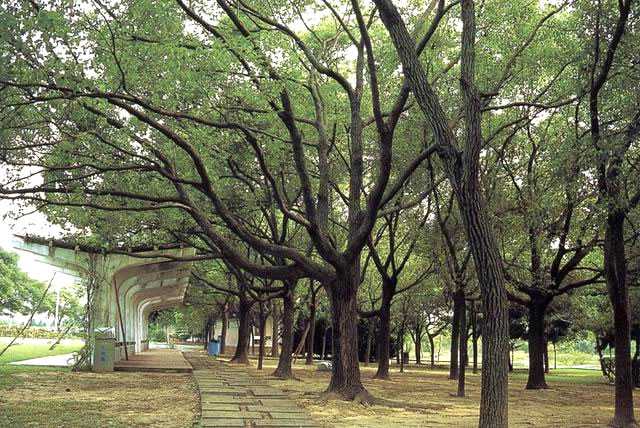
point(462, 172)
point(18, 293)
point(148, 137)
point(612, 150)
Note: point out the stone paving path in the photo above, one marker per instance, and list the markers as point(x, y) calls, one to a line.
point(230, 396)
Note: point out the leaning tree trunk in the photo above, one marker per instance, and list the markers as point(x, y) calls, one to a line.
point(463, 348)
point(494, 407)
point(345, 376)
point(384, 332)
point(283, 371)
point(241, 354)
point(312, 331)
point(615, 266)
point(536, 314)
point(462, 172)
point(458, 303)
point(367, 352)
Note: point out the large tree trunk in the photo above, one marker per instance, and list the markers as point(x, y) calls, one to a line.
point(462, 172)
point(384, 332)
point(241, 355)
point(615, 266)
point(283, 371)
point(463, 349)
point(495, 332)
point(536, 314)
point(458, 303)
point(312, 330)
point(367, 352)
point(345, 376)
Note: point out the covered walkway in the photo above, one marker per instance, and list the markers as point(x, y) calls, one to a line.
point(128, 285)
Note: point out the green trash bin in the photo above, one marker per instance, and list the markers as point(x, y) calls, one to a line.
point(105, 349)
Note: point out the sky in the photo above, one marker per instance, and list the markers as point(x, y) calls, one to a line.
point(35, 266)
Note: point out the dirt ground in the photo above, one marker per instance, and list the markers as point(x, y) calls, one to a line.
point(55, 398)
point(422, 398)
point(417, 398)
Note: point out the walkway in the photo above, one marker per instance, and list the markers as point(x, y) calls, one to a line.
point(155, 360)
point(230, 396)
point(64, 360)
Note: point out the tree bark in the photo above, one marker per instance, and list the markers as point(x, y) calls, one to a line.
point(370, 331)
point(401, 347)
point(324, 341)
point(274, 329)
point(225, 326)
point(384, 333)
point(474, 336)
point(463, 348)
point(546, 357)
point(241, 354)
point(283, 371)
point(615, 266)
point(432, 348)
point(458, 302)
point(462, 172)
point(345, 376)
point(537, 309)
point(312, 330)
point(261, 330)
point(418, 345)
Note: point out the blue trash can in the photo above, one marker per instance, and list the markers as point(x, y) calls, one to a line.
point(213, 348)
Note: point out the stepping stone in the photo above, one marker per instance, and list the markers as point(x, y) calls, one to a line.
point(239, 401)
point(207, 406)
point(223, 423)
point(278, 402)
point(238, 414)
point(223, 390)
point(281, 415)
point(301, 423)
point(267, 392)
point(290, 408)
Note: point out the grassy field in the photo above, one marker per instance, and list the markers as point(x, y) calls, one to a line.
point(57, 397)
point(26, 350)
point(421, 397)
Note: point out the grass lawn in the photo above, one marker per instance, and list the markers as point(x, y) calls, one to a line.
point(57, 397)
point(26, 350)
point(421, 397)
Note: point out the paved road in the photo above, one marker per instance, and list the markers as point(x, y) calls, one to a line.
point(230, 396)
